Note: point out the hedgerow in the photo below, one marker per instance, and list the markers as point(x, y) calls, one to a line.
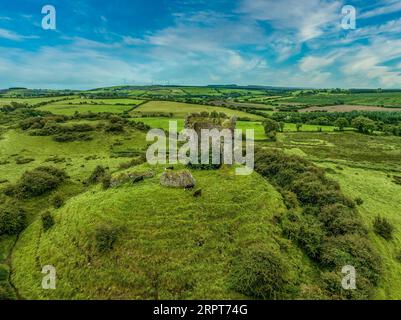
point(326, 225)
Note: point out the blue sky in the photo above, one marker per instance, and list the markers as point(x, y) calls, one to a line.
point(262, 42)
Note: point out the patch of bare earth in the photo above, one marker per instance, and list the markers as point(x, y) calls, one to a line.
point(349, 108)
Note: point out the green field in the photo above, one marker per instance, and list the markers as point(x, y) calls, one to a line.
point(163, 123)
point(28, 101)
point(183, 109)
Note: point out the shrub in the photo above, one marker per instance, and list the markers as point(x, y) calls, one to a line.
point(310, 235)
point(57, 201)
point(47, 220)
point(339, 220)
point(290, 199)
point(352, 250)
point(359, 201)
point(36, 182)
point(96, 176)
point(114, 128)
point(105, 237)
point(106, 181)
point(5, 293)
point(12, 220)
point(23, 160)
point(383, 228)
point(69, 137)
point(3, 272)
point(260, 274)
point(134, 162)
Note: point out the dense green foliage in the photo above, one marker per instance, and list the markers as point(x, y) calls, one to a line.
point(383, 228)
point(260, 274)
point(329, 228)
point(271, 128)
point(36, 182)
point(47, 220)
point(12, 220)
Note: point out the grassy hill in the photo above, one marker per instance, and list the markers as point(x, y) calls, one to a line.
point(170, 245)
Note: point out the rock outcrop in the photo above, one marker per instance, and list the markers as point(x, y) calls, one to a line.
point(177, 179)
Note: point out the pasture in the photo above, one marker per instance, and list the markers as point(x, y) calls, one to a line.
point(181, 110)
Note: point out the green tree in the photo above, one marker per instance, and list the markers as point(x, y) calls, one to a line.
point(341, 123)
point(271, 127)
point(363, 124)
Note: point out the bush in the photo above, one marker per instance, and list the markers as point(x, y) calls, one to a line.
point(105, 237)
point(36, 182)
point(114, 128)
point(47, 220)
point(5, 293)
point(12, 220)
point(310, 235)
point(383, 228)
point(106, 181)
point(69, 137)
point(57, 201)
point(96, 176)
point(290, 199)
point(353, 250)
point(339, 220)
point(23, 160)
point(260, 274)
point(359, 201)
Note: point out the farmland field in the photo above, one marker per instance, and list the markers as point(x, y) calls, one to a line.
point(183, 109)
point(348, 108)
point(29, 101)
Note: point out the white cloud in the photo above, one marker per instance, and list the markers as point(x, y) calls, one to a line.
point(312, 63)
point(11, 35)
point(385, 7)
point(307, 19)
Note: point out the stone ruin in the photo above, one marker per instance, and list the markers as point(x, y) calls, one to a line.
point(214, 120)
point(197, 122)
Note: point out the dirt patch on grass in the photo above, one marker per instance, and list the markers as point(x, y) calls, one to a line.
point(349, 108)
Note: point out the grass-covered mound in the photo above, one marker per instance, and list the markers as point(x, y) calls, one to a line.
point(145, 241)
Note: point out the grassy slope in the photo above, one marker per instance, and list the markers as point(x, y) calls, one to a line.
point(19, 144)
point(183, 243)
point(381, 198)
